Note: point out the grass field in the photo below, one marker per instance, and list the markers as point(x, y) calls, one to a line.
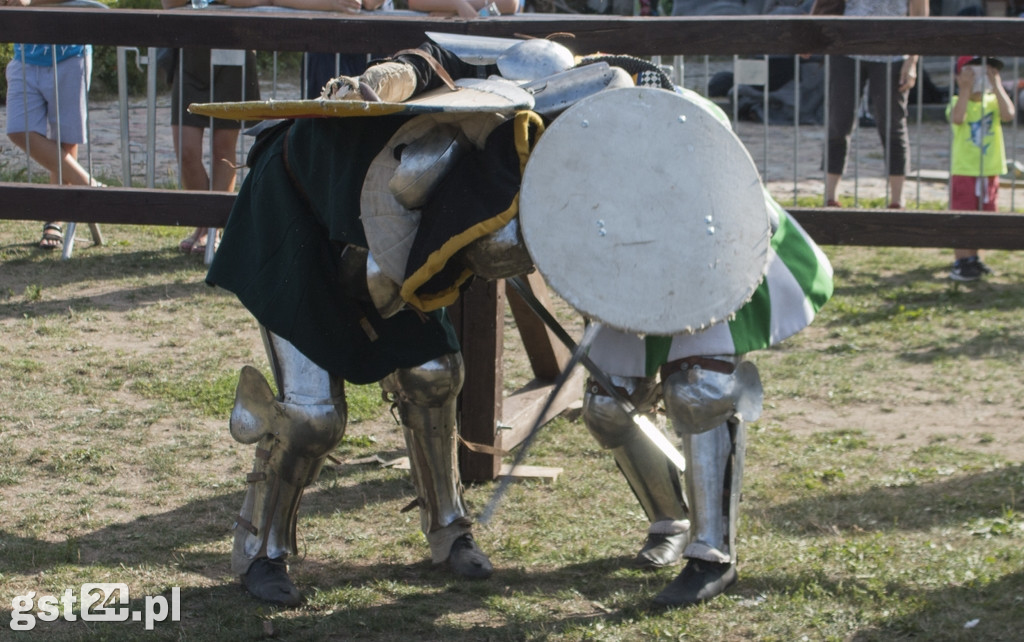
point(884, 496)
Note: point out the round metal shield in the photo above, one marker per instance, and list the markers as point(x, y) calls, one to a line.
point(644, 211)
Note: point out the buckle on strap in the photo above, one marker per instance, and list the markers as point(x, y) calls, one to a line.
point(595, 388)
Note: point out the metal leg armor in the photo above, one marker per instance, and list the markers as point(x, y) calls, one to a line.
point(713, 475)
point(709, 401)
point(652, 477)
point(294, 432)
point(426, 397)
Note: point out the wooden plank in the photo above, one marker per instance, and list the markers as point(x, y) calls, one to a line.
point(29, 202)
point(479, 318)
point(686, 35)
point(912, 228)
point(520, 409)
point(827, 226)
point(545, 474)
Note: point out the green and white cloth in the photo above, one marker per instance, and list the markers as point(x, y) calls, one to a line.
point(797, 283)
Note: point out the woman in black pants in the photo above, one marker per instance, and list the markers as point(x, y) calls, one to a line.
point(889, 80)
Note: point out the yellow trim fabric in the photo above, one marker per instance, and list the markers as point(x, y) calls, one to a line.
point(439, 258)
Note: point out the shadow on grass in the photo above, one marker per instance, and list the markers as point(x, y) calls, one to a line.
point(145, 539)
point(954, 612)
point(424, 601)
point(154, 538)
point(346, 599)
point(18, 281)
point(1004, 343)
point(917, 289)
point(958, 613)
point(116, 301)
point(411, 603)
point(425, 605)
point(910, 506)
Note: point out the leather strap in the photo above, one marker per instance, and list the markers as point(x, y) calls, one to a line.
point(246, 524)
point(705, 363)
point(594, 388)
point(483, 448)
point(434, 64)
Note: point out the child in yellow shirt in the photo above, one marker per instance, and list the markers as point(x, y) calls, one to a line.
point(978, 156)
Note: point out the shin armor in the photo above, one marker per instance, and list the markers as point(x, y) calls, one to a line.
point(294, 432)
point(425, 397)
point(709, 406)
point(652, 477)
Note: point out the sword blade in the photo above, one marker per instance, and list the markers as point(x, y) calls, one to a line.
point(563, 376)
point(600, 376)
point(657, 437)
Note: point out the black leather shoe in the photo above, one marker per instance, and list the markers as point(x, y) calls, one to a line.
point(468, 561)
point(268, 580)
point(699, 581)
point(661, 550)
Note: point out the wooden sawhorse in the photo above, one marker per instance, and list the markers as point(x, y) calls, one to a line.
point(486, 416)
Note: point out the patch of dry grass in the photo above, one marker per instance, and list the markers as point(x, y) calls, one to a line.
point(883, 496)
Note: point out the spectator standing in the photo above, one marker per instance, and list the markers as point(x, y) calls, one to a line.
point(466, 9)
point(321, 67)
point(194, 82)
point(977, 156)
point(888, 93)
point(46, 110)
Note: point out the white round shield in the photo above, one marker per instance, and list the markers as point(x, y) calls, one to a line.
point(645, 212)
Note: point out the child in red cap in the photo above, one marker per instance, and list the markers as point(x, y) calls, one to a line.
point(977, 157)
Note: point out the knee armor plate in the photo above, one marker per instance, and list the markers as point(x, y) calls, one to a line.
point(699, 399)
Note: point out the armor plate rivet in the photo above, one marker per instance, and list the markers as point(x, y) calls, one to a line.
point(682, 118)
point(585, 123)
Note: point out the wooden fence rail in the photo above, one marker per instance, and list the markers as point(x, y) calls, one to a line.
point(689, 35)
point(920, 228)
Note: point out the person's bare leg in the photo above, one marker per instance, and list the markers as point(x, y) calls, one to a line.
point(831, 186)
point(188, 147)
point(54, 238)
point(45, 152)
point(896, 190)
point(224, 159)
point(224, 164)
point(63, 167)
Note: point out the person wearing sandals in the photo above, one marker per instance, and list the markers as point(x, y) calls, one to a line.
point(194, 82)
point(46, 85)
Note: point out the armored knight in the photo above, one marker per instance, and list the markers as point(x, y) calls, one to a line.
point(296, 252)
point(347, 260)
point(721, 271)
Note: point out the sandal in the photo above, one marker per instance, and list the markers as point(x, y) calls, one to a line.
point(200, 248)
point(53, 237)
point(188, 244)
